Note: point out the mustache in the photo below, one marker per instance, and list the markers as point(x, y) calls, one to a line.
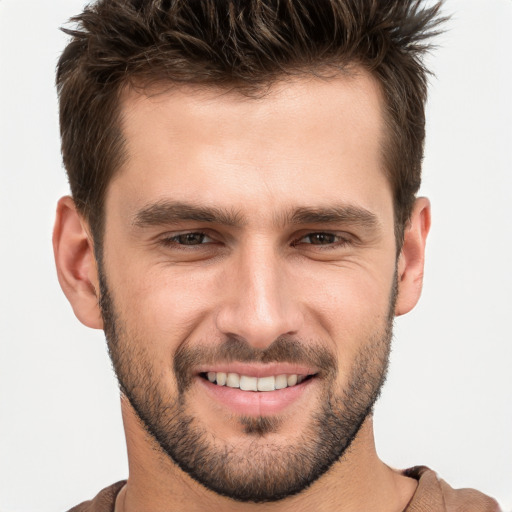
point(285, 349)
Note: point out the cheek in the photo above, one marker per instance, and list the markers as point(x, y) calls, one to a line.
point(349, 306)
point(165, 304)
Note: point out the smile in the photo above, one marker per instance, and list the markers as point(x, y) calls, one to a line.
point(248, 383)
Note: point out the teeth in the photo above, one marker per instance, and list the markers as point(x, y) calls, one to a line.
point(246, 383)
point(233, 380)
point(292, 380)
point(281, 382)
point(221, 378)
point(266, 383)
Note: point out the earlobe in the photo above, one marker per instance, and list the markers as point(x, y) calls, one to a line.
point(412, 257)
point(76, 265)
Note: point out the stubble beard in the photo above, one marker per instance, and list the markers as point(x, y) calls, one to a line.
point(261, 470)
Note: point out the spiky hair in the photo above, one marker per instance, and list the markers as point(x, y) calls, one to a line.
point(245, 45)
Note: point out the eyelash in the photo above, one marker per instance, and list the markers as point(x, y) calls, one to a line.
point(173, 241)
point(341, 241)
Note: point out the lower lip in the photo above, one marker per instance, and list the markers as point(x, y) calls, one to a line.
point(255, 403)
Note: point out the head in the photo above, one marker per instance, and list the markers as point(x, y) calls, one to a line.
point(244, 178)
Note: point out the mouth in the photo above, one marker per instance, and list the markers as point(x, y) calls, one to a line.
point(257, 391)
point(251, 383)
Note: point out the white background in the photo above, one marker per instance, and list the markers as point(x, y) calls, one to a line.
point(448, 400)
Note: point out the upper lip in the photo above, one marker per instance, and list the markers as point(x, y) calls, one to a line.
point(258, 369)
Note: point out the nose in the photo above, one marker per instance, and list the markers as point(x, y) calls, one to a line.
point(258, 303)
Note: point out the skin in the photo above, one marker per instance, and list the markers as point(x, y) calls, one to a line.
point(309, 143)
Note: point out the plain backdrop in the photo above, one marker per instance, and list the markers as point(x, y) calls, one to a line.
point(448, 400)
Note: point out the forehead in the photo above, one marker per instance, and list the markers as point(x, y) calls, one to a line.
point(306, 103)
point(306, 138)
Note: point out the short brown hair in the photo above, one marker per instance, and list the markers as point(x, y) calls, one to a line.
point(244, 45)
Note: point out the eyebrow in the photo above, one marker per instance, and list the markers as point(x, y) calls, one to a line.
point(175, 212)
point(345, 214)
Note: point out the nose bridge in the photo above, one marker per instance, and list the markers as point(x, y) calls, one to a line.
point(258, 305)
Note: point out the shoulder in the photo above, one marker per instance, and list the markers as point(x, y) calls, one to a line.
point(434, 494)
point(103, 502)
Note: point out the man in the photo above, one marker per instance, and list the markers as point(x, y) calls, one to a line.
point(244, 227)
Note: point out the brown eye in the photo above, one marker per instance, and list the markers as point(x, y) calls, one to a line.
point(190, 238)
point(320, 238)
point(186, 239)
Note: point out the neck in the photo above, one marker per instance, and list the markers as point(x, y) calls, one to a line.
point(358, 481)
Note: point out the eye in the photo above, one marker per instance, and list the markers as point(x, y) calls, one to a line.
point(322, 239)
point(192, 238)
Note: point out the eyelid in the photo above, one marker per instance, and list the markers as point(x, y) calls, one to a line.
point(343, 239)
point(170, 239)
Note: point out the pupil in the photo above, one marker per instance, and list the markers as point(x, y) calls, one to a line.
point(191, 238)
point(322, 238)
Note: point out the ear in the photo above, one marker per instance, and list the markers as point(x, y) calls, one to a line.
point(76, 265)
point(412, 257)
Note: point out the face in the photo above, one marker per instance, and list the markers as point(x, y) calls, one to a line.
point(248, 278)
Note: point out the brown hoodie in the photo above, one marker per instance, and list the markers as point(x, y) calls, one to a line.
point(432, 495)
